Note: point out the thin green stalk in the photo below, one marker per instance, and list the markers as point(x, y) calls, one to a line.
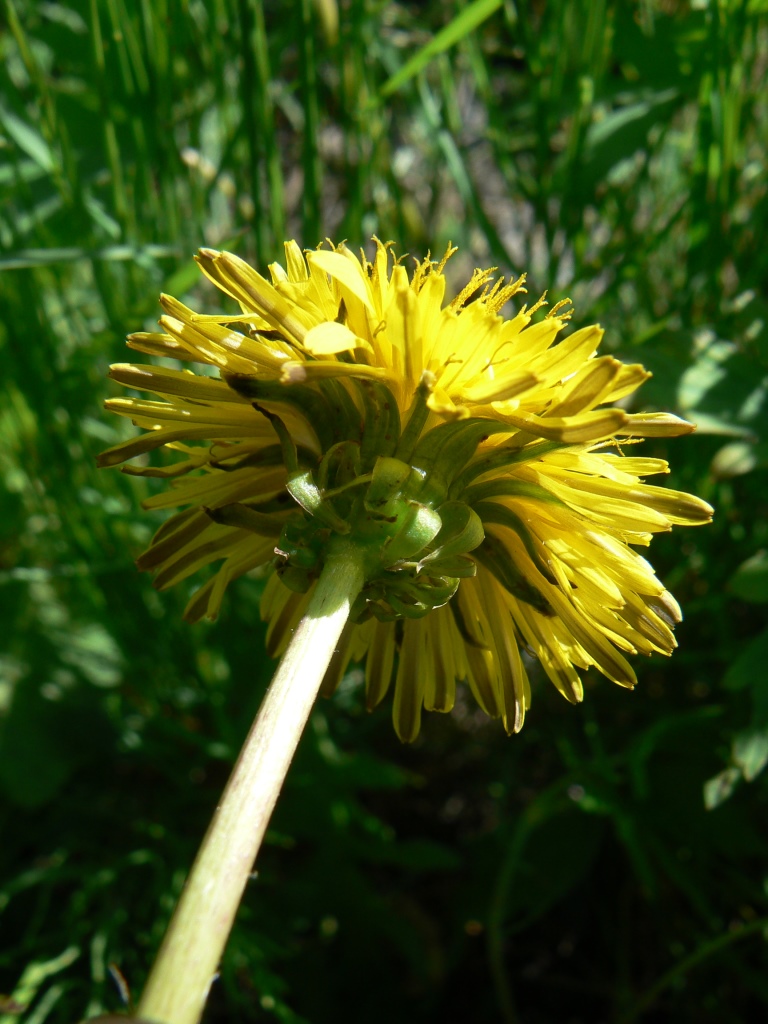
point(54, 132)
point(189, 956)
point(251, 127)
point(705, 950)
point(270, 139)
point(119, 195)
point(311, 154)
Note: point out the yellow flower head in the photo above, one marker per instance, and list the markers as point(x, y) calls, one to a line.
point(475, 460)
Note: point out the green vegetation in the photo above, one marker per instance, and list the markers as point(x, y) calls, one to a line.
point(608, 864)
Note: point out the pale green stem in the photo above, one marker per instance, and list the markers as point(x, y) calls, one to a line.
point(189, 956)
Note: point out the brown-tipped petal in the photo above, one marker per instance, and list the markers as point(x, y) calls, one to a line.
point(500, 388)
point(179, 531)
point(155, 439)
point(241, 281)
point(656, 424)
point(666, 607)
point(165, 472)
point(162, 381)
point(588, 387)
point(294, 371)
point(678, 506)
point(629, 379)
point(154, 344)
point(569, 355)
point(588, 426)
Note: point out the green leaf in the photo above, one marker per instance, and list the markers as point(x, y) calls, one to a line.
point(718, 789)
point(22, 259)
point(734, 459)
point(605, 128)
point(706, 423)
point(22, 170)
point(65, 16)
point(750, 581)
point(28, 140)
point(92, 651)
point(750, 752)
point(704, 374)
point(100, 216)
point(474, 14)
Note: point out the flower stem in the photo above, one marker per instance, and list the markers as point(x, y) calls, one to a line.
point(189, 956)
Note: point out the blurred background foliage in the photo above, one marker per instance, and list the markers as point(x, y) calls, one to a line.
point(610, 863)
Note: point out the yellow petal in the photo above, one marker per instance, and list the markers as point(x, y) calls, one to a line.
point(588, 426)
point(656, 424)
point(588, 387)
point(233, 276)
point(330, 338)
point(409, 684)
point(346, 271)
point(163, 381)
point(500, 388)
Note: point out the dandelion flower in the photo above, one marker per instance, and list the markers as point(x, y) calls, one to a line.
point(478, 462)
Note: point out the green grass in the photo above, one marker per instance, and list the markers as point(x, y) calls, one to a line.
point(607, 865)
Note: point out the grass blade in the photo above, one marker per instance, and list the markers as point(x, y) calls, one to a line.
point(474, 14)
